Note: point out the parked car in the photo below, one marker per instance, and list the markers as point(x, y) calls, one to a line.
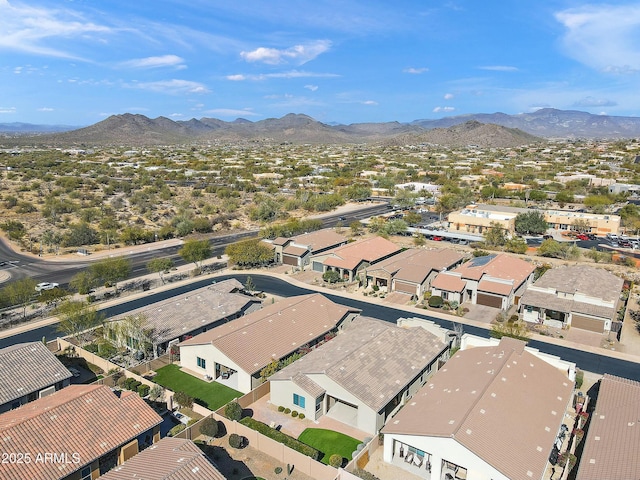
point(582, 236)
point(438, 238)
point(547, 237)
point(624, 243)
point(46, 286)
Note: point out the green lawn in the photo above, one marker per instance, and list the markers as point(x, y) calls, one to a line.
point(212, 395)
point(329, 442)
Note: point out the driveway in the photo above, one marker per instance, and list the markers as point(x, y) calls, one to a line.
point(481, 313)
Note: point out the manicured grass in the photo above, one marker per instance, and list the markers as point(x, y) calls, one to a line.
point(212, 395)
point(329, 442)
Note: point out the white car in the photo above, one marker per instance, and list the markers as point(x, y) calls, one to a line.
point(46, 286)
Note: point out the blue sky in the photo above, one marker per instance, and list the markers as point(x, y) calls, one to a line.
point(78, 61)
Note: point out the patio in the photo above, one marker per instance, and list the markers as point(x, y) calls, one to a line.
point(265, 412)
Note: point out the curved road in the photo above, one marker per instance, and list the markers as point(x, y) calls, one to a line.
point(585, 360)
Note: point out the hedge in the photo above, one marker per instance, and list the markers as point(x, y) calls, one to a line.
point(280, 437)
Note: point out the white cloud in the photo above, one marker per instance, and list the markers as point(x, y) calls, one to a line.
point(173, 87)
point(34, 29)
point(7, 109)
point(231, 112)
point(603, 37)
point(313, 88)
point(155, 62)
point(448, 96)
point(499, 68)
point(369, 102)
point(443, 109)
point(415, 71)
point(594, 102)
point(45, 109)
point(290, 74)
point(176, 115)
point(298, 54)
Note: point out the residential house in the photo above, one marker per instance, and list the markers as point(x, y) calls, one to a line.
point(169, 459)
point(29, 372)
point(489, 413)
point(411, 271)
point(612, 441)
point(496, 280)
point(363, 376)
point(238, 350)
point(297, 251)
point(353, 258)
point(154, 327)
point(580, 296)
point(77, 433)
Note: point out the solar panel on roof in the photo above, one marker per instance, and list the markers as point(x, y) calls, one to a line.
point(481, 261)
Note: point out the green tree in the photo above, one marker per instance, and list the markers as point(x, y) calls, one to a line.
point(52, 296)
point(516, 245)
point(233, 411)
point(563, 197)
point(495, 235)
point(195, 251)
point(82, 282)
point(413, 218)
point(531, 223)
point(552, 248)
point(159, 266)
point(21, 293)
point(356, 228)
point(209, 427)
point(110, 271)
point(394, 227)
point(270, 369)
point(77, 318)
point(249, 253)
point(183, 399)
point(14, 229)
point(249, 285)
point(331, 276)
point(581, 225)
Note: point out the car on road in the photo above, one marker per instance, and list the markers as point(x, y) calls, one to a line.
point(46, 286)
point(342, 218)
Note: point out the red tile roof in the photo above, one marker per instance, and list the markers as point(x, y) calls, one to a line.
point(273, 332)
point(349, 256)
point(501, 266)
point(490, 399)
point(83, 422)
point(448, 282)
point(168, 459)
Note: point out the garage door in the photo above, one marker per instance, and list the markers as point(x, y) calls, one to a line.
point(289, 260)
point(587, 323)
point(489, 300)
point(403, 287)
point(317, 267)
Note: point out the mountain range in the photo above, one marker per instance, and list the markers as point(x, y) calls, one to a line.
point(487, 130)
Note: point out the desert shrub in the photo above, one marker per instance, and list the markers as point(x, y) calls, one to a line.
point(287, 411)
point(435, 301)
point(278, 470)
point(335, 460)
point(301, 416)
point(294, 414)
point(235, 440)
point(358, 472)
point(281, 409)
point(143, 390)
point(579, 378)
point(233, 411)
point(176, 430)
point(209, 427)
point(122, 382)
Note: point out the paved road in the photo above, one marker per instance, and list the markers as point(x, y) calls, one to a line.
point(585, 360)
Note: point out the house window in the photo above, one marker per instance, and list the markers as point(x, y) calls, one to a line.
point(202, 363)
point(529, 308)
point(318, 404)
point(85, 473)
point(298, 400)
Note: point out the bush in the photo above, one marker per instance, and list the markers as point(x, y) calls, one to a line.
point(184, 400)
point(294, 414)
point(122, 382)
point(287, 411)
point(235, 440)
point(278, 470)
point(233, 411)
point(301, 416)
point(280, 437)
point(176, 430)
point(281, 409)
point(579, 378)
point(209, 427)
point(435, 301)
point(335, 460)
point(143, 390)
point(358, 472)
